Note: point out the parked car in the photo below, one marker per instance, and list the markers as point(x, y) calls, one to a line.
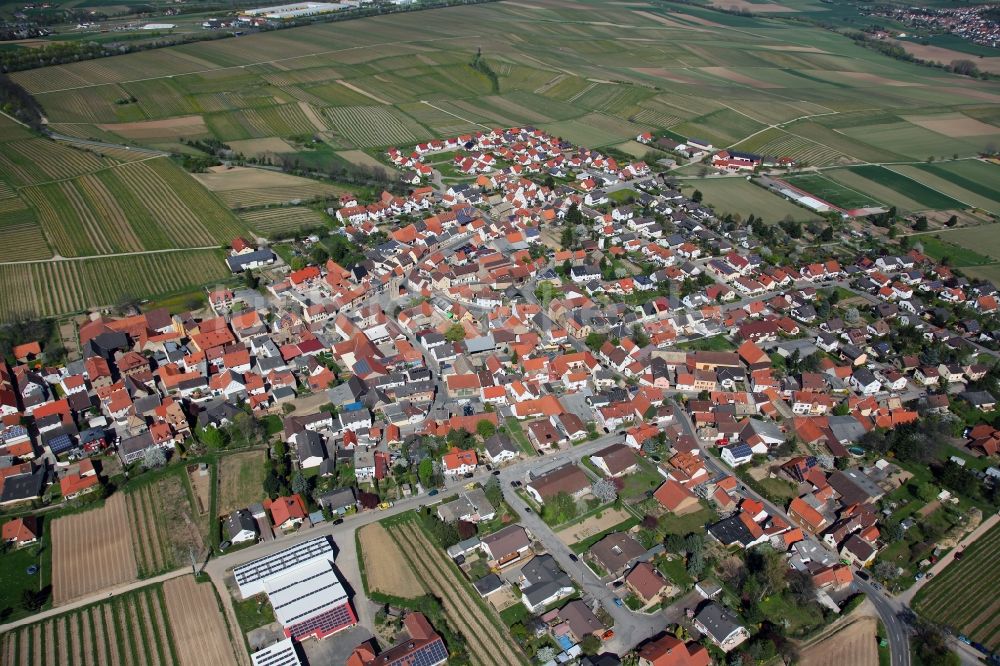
point(468, 475)
point(573, 558)
point(618, 602)
point(863, 575)
point(496, 472)
point(433, 492)
point(527, 509)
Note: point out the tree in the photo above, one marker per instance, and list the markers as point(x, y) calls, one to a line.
point(595, 341)
point(455, 333)
point(696, 196)
point(696, 564)
point(153, 457)
point(568, 238)
point(485, 428)
point(920, 224)
point(425, 472)
point(300, 484)
point(31, 601)
point(590, 644)
point(545, 654)
point(559, 508)
point(885, 571)
point(573, 215)
point(604, 490)
point(245, 428)
point(493, 491)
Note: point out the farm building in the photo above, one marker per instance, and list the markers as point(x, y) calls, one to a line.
point(303, 588)
point(282, 653)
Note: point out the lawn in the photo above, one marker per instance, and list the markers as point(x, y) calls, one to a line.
point(514, 614)
point(644, 480)
point(252, 613)
point(14, 579)
point(713, 343)
point(675, 571)
point(779, 488)
point(671, 523)
point(517, 432)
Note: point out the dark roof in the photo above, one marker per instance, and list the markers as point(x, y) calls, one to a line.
point(23, 486)
point(731, 530)
point(240, 520)
point(239, 262)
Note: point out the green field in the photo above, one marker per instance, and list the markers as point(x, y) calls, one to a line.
point(905, 189)
point(62, 287)
point(738, 196)
point(55, 196)
point(963, 596)
point(970, 180)
point(832, 192)
point(950, 245)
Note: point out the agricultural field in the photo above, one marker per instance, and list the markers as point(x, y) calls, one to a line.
point(963, 596)
point(737, 196)
point(148, 539)
point(969, 246)
point(852, 644)
point(241, 481)
point(243, 187)
point(974, 181)
point(487, 642)
point(385, 565)
point(169, 526)
point(130, 629)
point(832, 192)
point(63, 287)
point(23, 237)
point(599, 82)
point(281, 222)
point(894, 188)
point(103, 535)
point(201, 633)
point(61, 197)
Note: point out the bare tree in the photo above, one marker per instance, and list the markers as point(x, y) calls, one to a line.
point(604, 490)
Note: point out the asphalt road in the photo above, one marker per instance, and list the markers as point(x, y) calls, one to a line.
point(888, 608)
point(631, 628)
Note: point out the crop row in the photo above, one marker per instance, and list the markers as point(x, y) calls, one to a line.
point(127, 631)
point(368, 126)
point(275, 220)
point(62, 287)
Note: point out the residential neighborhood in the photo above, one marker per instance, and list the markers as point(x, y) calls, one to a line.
point(585, 419)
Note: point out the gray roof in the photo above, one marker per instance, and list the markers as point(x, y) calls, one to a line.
point(545, 578)
point(239, 520)
point(719, 621)
point(338, 498)
point(468, 502)
point(239, 262)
